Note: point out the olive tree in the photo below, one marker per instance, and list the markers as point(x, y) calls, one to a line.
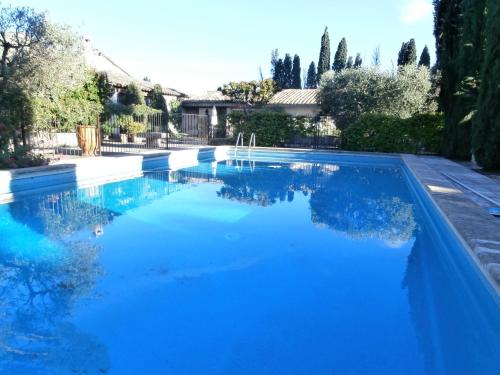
point(353, 92)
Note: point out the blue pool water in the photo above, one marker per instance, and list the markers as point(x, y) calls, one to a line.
point(242, 267)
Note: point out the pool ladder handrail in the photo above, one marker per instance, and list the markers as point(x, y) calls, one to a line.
point(239, 140)
point(251, 143)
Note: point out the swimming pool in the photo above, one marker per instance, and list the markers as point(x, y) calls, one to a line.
point(260, 264)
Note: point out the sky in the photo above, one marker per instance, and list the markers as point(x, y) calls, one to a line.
point(195, 45)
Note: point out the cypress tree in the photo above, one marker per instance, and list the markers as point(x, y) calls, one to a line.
point(287, 69)
point(157, 99)
point(324, 55)
point(402, 54)
point(425, 58)
point(407, 53)
point(311, 82)
point(296, 80)
point(486, 131)
point(274, 60)
point(411, 53)
point(279, 75)
point(350, 63)
point(339, 61)
point(358, 61)
point(448, 30)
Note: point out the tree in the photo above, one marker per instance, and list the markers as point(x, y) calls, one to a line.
point(339, 61)
point(104, 88)
point(296, 80)
point(312, 81)
point(407, 53)
point(279, 75)
point(376, 57)
point(358, 61)
point(486, 124)
point(40, 63)
point(274, 60)
point(324, 55)
point(350, 63)
point(287, 72)
point(21, 28)
point(133, 95)
point(251, 92)
point(425, 58)
point(157, 99)
point(402, 54)
point(353, 92)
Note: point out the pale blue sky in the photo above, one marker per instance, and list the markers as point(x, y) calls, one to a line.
point(195, 45)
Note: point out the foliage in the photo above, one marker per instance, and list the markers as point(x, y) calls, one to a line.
point(251, 92)
point(20, 157)
point(134, 127)
point(408, 53)
point(425, 58)
point(157, 99)
point(358, 61)
point(339, 61)
point(448, 32)
point(351, 93)
point(133, 95)
point(324, 55)
point(175, 113)
point(81, 105)
point(486, 124)
point(271, 128)
point(296, 80)
point(392, 134)
point(350, 63)
point(311, 82)
point(105, 90)
point(287, 72)
point(279, 75)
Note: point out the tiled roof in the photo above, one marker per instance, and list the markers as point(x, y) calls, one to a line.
point(296, 96)
point(117, 76)
point(210, 96)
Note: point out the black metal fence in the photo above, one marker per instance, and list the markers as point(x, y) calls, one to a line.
point(156, 132)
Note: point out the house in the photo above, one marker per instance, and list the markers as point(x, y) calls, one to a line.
point(120, 78)
point(297, 102)
point(203, 103)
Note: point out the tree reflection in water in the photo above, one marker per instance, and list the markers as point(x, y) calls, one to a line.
point(358, 201)
point(39, 287)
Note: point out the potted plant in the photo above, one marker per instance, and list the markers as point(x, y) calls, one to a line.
point(132, 129)
point(107, 130)
point(87, 139)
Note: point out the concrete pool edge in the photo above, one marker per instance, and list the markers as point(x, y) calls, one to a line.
point(477, 231)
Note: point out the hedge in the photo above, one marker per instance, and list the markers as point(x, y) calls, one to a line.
point(271, 128)
point(381, 133)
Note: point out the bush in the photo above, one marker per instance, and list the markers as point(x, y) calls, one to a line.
point(392, 134)
point(271, 128)
point(21, 157)
point(354, 92)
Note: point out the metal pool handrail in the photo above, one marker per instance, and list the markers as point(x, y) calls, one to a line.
point(252, 141)
point(493, 210)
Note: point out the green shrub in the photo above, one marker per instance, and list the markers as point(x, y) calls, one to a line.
point(391, 134)
point(134, 127)
point(271, 128)
point(21, 157)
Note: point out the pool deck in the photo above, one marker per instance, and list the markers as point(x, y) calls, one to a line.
point(465, 211)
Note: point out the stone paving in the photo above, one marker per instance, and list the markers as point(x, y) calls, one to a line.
point(465, 210)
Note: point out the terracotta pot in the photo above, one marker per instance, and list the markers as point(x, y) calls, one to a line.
point(87, 139)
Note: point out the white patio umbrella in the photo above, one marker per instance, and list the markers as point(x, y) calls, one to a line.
point(213, 116)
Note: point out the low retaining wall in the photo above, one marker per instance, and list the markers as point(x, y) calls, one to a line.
point(84, 171)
